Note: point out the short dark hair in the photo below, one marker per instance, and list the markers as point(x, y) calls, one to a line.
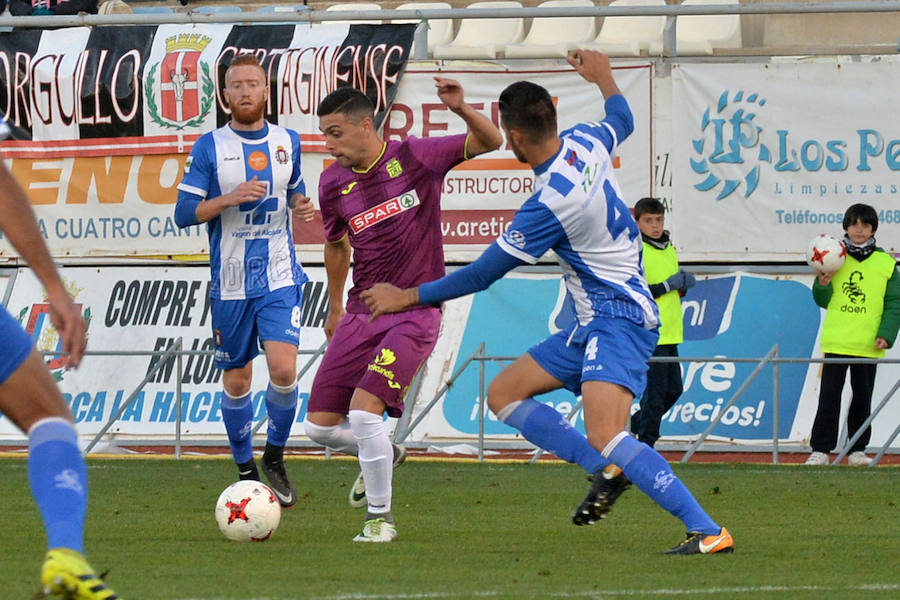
point(648, 206)
point(861, 212)
point(528, 108)
point(348, 101)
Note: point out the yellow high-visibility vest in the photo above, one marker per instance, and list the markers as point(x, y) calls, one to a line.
point(856, 305)
point(659, 265)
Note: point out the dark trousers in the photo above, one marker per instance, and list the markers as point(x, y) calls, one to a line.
point(825, 427)
point(663, 390)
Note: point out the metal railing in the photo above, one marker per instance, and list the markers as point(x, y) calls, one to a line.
point(771, 358)
point(407, 424)
point(424, 15)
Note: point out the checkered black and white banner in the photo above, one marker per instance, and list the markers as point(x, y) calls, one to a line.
point(107, 91)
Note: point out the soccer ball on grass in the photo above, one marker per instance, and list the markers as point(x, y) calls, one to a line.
point(248, 511)
point(825, 254)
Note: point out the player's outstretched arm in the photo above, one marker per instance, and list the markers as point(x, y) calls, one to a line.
point(493, 263)
point(384, 298)
point(18, 223)
point(483, 135)
point(594, 67)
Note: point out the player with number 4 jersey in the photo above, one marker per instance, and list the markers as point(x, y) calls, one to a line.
point(578, 212)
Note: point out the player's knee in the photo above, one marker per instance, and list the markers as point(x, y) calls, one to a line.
point(599, 438)
point(282, 376)
point(320, 434)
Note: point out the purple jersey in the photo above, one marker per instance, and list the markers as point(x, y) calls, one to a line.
point(391, 212)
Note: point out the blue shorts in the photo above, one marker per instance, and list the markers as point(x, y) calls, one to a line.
point(613, 350)
point(240, 326)
point(16, 343)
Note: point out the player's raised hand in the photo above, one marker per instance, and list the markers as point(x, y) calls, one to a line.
point(594, 66)
point(303, 207)
point(248, 191)
point(71, 326)
point(450, 92)
point(384, 298)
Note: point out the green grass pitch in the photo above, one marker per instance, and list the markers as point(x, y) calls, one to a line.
point(469, 530)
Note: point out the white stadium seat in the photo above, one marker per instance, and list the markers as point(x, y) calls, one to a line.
point(703, 34)
point(440, 31)
point(628, 36)
point(355, 6)
point(484, 38)
point(555, 36)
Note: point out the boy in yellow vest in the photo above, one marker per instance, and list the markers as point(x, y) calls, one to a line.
point(863, 303)
point(667, 283)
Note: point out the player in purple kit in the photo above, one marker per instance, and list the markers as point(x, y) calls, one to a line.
point(382, 199)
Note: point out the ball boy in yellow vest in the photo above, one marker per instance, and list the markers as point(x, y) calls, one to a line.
point(668, 282)
point(863, 303)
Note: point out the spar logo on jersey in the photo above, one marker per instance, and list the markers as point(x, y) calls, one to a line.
point(179, 89)
point(37, 324)
point(728, 134)
point(384, 211)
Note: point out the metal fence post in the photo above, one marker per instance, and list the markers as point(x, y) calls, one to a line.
point(730, 402)
point(179, 372)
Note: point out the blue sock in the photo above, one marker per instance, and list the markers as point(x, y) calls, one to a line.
point(543, 426)
point(237, 414)
point(58, 478)
point(648, 470)
point(281, 404)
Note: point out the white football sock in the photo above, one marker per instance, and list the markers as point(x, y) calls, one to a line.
point(336, 437)
point(376, 457)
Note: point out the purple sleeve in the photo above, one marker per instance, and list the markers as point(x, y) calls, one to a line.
point(441, 153)
point(335, 227)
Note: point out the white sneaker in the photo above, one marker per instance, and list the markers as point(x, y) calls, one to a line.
point(817, 458)
point(858, 459)
point(377, 530)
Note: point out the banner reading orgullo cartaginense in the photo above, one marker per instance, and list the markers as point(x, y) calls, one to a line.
point(106, 91)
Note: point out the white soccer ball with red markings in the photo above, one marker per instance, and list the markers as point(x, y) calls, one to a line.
point(248, 511)
point(825, 254)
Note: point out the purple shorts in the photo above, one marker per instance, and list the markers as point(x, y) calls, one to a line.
point(381, 357)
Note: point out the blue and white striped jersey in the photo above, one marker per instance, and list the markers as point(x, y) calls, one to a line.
point(252, 245)
point(578, 212)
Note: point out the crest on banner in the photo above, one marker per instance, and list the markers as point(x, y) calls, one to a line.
point(185, 86)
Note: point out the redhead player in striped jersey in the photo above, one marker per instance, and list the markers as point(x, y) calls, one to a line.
point(578, 212)
point(243, 180)
point(382, 199)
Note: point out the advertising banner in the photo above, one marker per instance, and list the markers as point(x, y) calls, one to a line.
point(122, 204)
point(736, 316)
point(481, 195)
point(101, 91)
point(768, 155)
point(143, 309)
point(725, 316)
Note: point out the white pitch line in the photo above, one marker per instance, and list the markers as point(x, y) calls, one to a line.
point(597, 594)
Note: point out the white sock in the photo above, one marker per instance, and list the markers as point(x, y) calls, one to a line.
point(376, 457)
point(336, 437)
